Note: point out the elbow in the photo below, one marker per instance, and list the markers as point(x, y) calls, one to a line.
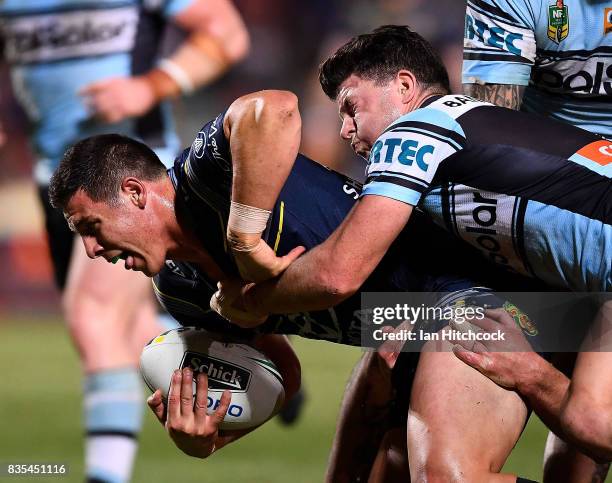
point(282, 105)
point(589, 425)
point(338, 285)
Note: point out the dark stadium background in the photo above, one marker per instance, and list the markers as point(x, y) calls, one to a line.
point(40, 402)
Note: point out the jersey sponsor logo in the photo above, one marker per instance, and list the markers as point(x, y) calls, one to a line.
point(598, 151)
point(404, 151)
point(578, 77)
point(485, 220)
point(607, 21)
point(221, 374)
point(558, 22)
point(484, 32)
point(51, 37)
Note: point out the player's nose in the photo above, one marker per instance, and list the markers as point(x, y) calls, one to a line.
point(92, 247)
point(348, 128)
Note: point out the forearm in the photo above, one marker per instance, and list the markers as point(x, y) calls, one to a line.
point(309, 283)
point(362, 423)
point(546, 392)
point(504, 95)
point(217, 39)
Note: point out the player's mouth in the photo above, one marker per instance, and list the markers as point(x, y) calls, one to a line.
point(128, 257)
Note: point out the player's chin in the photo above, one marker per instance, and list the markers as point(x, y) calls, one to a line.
point(150, 268)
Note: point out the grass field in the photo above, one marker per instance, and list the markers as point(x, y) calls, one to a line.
point(41, 418)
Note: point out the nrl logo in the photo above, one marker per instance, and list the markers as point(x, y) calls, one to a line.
point(558, 22)
point(198, 145)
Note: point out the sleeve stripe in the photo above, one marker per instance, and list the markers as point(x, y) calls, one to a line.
point(496, 57)
point(414, 179)
point(445, 135)
point(452, 144)
point(604, 49)
point(491, 9)
point(404, 183)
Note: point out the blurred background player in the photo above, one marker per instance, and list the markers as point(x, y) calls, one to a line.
point(551, 58)
point(80, 68)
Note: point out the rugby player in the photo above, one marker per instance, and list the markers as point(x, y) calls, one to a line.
point(89, 67)
point(124, 204)
point(549, 58)
point(533, 195)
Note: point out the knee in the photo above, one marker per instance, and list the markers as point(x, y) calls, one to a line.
point(440, 468)
point(588, 422)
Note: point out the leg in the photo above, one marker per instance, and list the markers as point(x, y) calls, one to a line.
point(564, 463)
point(461, 425)
point(391, 463)
point(364, 419)
point(110, 315)
point(586, 415)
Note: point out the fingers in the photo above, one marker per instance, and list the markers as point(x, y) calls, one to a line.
point(201, 401)
point(501, 316)
point(156, 404)
point(174, 397)
point(470, 358)
point(218, 416)
point(187, 391)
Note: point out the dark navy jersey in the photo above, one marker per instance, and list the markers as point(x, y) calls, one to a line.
point(312, 203)
point(532, 194)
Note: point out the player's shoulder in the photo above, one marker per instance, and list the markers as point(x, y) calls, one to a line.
point(438, 118)
point(210, 145)
point(517, 13)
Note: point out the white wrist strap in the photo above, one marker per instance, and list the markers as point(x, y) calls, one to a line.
point(247, 219)
point(178, 75)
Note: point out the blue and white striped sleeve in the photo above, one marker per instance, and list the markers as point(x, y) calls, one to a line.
point(499, 44)
point(404, 159)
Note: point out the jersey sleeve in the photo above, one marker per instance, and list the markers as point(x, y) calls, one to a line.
point(404, 159)
point(499, 44)
point(208, 165)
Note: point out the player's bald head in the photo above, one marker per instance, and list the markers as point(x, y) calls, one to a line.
point(98, 164)
point(380, 55)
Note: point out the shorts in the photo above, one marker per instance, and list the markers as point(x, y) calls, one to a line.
point(59, 238)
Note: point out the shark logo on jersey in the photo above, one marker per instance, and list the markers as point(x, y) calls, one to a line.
point(558, 22)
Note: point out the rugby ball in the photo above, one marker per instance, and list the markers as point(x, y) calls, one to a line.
point(254, 381)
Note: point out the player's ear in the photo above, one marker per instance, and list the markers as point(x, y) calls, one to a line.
point(135, 190)
point(407, 85)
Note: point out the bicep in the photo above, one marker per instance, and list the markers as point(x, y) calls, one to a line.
point(504, 95)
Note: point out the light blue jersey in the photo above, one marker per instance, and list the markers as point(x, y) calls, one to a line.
point(534, 196)
point(56, 47)
point(560, 49)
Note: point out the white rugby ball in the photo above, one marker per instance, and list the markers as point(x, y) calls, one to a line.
point(254, 381)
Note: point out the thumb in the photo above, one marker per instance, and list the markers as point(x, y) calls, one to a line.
point(291, 257)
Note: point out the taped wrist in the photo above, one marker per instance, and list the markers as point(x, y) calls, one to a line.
point(245, 220)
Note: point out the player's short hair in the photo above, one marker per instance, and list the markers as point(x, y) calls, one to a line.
point(98, 164)
point(380, 55)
